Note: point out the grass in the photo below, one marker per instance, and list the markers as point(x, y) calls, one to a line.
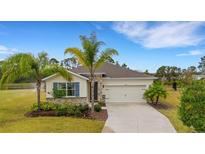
point(15, 103)
point(14, 86)
point(172, 103)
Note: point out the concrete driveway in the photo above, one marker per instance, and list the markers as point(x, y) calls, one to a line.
point(136, 118)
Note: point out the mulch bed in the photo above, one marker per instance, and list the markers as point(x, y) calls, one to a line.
point(40, 113)
point(102, 115)
point(161, 106)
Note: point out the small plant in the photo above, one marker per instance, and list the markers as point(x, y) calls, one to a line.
point(48, 106)
point(62, 109)
point(192, 106)
point(71, 110)
point(78, 113)
point(59, 93)
point(102, 103)
point(44, 106)
point(83, 108)
point(154, 92)
point(97, 108)
point(34, 107)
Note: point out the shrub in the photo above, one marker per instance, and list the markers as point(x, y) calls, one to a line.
point(78, 113)
point(48, 106)
point(72, 110)
point(34, 107)
point(83, 108)
point(44, 106)
point(61, 109)
point(97, 108)
point(192, 105)
point(102, 103)
point(59, 93)
point(154, 92)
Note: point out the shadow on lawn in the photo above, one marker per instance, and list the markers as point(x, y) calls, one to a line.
point(164, 106)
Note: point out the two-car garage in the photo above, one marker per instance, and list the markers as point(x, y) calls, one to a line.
point(125, 90)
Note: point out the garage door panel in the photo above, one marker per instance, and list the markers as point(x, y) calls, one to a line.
point(124, 93)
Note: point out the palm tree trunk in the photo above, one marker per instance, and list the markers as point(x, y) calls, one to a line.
point(38, 88)
point(157, 100)
point(92, 94)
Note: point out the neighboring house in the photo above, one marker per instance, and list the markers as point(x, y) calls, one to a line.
point(112, 84)
point(199, 76)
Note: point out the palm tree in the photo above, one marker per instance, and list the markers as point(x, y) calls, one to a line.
point(26, 65)
point(91, 57)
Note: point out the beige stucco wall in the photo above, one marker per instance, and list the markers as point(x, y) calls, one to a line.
point(58, 78)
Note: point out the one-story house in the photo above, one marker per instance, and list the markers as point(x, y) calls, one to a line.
point(113, 84)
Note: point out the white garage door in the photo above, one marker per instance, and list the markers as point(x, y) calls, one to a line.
point(123, 93)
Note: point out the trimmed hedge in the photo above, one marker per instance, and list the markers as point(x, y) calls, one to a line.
point(63, 109)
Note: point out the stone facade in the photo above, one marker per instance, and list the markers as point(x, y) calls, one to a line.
point(77, 100)
point(100, 87)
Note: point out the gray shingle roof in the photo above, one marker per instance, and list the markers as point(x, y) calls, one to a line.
point(112, 71)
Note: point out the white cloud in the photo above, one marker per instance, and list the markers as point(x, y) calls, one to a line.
point(161, 34)
point(191, 53)
point(6, 50)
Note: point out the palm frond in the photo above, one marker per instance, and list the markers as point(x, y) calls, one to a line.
point(104, 57)
point(16, 66)
point(64, 73)
point(42, 59)
point(54, 68)
point(78, 54)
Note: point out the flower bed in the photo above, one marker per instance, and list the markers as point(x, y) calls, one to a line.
point(67, 110)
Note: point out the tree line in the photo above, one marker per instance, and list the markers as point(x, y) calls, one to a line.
point(168, 74)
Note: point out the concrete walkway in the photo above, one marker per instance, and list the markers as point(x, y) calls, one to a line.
point(136, 118)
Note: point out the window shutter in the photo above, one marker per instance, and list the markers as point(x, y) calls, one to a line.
point(77, 89)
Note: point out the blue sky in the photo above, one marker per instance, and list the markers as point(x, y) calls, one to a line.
point(141, 45)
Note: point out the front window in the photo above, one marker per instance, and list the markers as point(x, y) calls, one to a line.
point(63, 89)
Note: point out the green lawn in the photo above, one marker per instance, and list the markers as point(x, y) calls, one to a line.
point(172, 102)
point(15, 103)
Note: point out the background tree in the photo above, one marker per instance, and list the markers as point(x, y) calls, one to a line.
point(69, 62)
point(25, 65)
point(1, 62)
point(53, 61)
point(124, 66)
point(186, 76)
point(161, 73)
point(201, 66)
point(146, 71)
point(168, 73)
point(91, 57)
point(117, 63)
point(192, 69)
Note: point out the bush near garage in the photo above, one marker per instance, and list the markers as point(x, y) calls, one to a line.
point(154, 92)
